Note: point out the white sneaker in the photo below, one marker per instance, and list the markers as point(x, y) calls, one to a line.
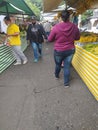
point(35, 60)
point(17, 63)
point(25, 61)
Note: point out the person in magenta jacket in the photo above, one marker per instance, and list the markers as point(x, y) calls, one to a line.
point(64, 34)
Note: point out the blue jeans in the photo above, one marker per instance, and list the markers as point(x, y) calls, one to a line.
point(47, 33)
point(66, 57)
point(37, 49)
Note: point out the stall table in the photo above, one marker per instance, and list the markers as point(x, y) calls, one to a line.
point(86, 64)
point(6, 56)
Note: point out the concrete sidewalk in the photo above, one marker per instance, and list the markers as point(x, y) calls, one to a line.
point(32, 99)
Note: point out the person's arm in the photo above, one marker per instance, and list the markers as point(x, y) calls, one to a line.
point(43, 31)
point(15, 34)
point(29, 32)
point(77, 34)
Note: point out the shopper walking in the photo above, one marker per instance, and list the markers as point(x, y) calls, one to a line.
point(35, 34)
point(64, 34)
point(14, 40)
point(47, 27)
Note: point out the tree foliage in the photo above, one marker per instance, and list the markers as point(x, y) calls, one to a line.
point(38, 3)
point(35, 6)
point(86, 15)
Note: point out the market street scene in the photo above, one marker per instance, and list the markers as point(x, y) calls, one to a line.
point(48, 65)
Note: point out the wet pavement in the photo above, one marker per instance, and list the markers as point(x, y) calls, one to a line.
point(32, 99)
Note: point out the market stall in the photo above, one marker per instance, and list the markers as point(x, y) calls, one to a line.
point(85, 60)
point(86, 64)
point(11, 7)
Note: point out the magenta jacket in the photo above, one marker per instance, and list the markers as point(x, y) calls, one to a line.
point(64, 34)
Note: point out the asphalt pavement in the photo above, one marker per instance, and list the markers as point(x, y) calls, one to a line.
point(32, 99)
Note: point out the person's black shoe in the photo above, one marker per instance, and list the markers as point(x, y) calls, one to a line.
point(66, 86)
point(56, 77)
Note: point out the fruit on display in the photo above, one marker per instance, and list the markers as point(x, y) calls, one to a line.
point(23, 33)
point(87, 37)
point(93, 48)
point(22, 29)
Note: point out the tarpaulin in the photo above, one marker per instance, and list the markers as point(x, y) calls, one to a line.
point(21, 6)
point(79, 5)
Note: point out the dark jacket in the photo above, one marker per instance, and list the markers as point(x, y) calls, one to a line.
point(35, 33)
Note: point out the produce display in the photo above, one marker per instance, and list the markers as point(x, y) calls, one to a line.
point(87, 37)
point(89, 41)
point(23, 29)
point(93, 48)
point(23, 33)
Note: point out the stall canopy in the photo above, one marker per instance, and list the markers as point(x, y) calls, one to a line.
point(14, 7)
point(80, 5)
point(49, 5)
point(6, 8)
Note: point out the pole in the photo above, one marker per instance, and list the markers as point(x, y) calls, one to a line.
point(65, 4)
point(6, 6)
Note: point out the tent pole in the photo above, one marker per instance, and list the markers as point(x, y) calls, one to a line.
point(23, 16)
point(65, 4)
point(43, 5)
point(7, 9)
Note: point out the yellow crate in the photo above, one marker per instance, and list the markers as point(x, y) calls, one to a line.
point(86, 64)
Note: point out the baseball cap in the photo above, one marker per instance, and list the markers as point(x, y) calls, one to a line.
point(33, 17)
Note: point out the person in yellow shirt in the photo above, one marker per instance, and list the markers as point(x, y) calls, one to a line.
point(13, 35)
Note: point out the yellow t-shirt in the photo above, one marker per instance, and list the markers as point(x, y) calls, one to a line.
point(13, 40)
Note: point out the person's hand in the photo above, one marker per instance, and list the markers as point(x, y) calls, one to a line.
point(45, 40)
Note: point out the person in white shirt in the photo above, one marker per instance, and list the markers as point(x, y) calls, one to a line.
point(47, 27)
